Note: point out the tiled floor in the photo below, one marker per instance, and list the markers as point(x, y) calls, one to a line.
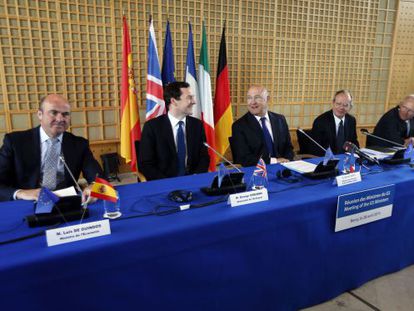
point(393, 292)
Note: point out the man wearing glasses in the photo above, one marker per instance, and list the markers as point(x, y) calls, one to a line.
point(260, 133)
point(334, 127)
point(396, 125)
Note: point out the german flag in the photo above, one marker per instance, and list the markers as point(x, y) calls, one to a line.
point(223, 115)
point(103, 190)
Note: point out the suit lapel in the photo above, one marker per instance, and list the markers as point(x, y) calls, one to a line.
point(35, 154)
point(332, 129)
point(275, 129)
point(67, 154)
point(167, 129)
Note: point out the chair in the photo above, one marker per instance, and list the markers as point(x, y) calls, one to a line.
point(140, 176)
point(305, 145)
point(110, 163)
point(233, 150)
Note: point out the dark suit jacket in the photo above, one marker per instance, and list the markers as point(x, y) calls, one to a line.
point(157, 157)
point(324, 132)
point(391, 127)
point(249, 144)
point(20, 160)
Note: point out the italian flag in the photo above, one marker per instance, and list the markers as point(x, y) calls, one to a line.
point(204, 85)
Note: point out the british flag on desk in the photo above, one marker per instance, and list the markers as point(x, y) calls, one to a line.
point(260, 169)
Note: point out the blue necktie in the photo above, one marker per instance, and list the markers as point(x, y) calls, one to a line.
point(340, 138)
point(180, 149)
point(267, 137)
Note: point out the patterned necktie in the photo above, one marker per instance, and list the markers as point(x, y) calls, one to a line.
point(340, 137)
point(51, 164)
point(180, 149)
point(267, 137)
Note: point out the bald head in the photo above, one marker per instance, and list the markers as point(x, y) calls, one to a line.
point(257, 100)
point(54, 114)
point(406, 108)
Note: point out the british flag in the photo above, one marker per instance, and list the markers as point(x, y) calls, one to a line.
point(155, 98)
point(260, 169)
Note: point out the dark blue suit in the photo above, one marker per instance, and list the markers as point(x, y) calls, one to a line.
point(248, 143)
point(20, 160)
point(157, 157)
point(324, 132)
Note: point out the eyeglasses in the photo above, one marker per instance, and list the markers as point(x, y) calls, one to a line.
point(407, 109)
point(344, 105)
point(256, 98)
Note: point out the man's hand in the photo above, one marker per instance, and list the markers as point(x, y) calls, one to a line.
point(408, 140)
point(86, 195)
point(282, 160)
point(28, 194)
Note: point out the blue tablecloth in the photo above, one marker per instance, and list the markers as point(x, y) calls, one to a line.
point(282, 254)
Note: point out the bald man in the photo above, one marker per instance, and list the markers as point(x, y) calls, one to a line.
point(30, 159)
point(260, 133)
point(396, 125)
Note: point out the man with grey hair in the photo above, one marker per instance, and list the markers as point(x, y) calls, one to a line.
point(336, 126)
point(396, 125)
point(32, 159)
point(260, 133)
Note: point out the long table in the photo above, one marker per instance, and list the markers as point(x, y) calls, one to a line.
point(282, 254)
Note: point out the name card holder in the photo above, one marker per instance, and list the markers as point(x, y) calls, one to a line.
point(77, 232)
point(348, 179)
point(248, 197)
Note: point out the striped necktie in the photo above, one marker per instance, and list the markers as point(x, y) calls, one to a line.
point(51, 164)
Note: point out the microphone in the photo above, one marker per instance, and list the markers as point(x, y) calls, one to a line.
point(62, 158)
point(231, 183)
point(309, 137)
point(222, 157)
point(352, 148)
point(365, 132)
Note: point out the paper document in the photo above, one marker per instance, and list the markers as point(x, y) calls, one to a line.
point(300, 166)
point(67, 192)
point(379, 155)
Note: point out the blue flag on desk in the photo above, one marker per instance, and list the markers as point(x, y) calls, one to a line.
point(222, 171)
point(46, 201)
point(409, 152)
point(328, 156)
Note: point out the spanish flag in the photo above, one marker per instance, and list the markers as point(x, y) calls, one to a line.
point(130, 124)
point(103, 190)
point(223, 115)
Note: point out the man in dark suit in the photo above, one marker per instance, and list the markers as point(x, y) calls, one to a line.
point(336, 126)
point(172, 144)
point(396, 125)
point(26, 157)
point(260, 133)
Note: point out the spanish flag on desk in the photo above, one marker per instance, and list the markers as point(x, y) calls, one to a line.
point(103, 190)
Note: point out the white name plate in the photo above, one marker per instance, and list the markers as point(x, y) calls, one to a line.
point(77, 232)
point(348, 179)
point(248, 197)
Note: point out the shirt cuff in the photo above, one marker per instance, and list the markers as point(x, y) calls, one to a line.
point(15, 194)
point(273, 160)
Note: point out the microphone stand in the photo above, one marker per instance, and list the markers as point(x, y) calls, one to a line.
point(222, 157)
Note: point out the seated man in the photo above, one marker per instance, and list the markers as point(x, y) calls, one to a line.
point(396, 125)
point(260, 133)
point(172, 144)
point(336, 126)
point(31, 159)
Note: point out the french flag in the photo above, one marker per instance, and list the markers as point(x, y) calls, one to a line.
point(154, 98)
point(191, 75)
